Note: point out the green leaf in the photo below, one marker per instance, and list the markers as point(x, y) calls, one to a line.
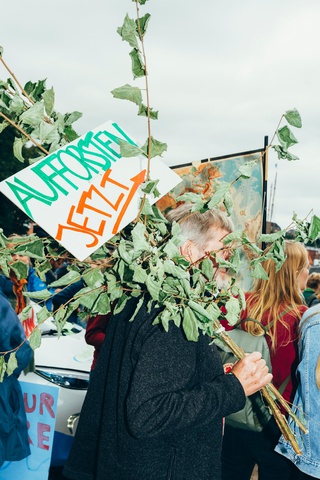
point(202, 312)
point(146, 207)
point(153, 287)
point(128, 32)
point(233, 310)
point(139, 274)
point(293, 118)
point(143, 112)
point(18, 144)
point(102, 306)
point(194, 198)
point(35, 339)
point(138, 69)
point(164, 318)
point(233, 236)
point(259, 272)
point(20, 269)
point(68, 278)
point(127, 256)
point(1, 51)
point(139, 305)
point(48, 99)
point(149, 187)
point(43, 315)
point(39, 89)
point(4, 106)
point(70, 134)
point(48, 133)
point(26, 312)
point(120, 304)
point(281, 152)
point(42, 268)
point(88, 299)
point(17, 105)
point(38, 295)
point(271, 237)
point(286, 137)
point(129, 150)
point(3, 367)
point(4, 266)
point(12, 363)
point(172, 250)
point(127, 92)
point(176, 271)
point(140, 242)
point(157, 148)
point(143, 24)
point(29, 87)
point(291, 157)
point(33, 115)
point(221, 189)
point(207, 268)
point(93, 277)
point(189, 325)
point(70, 118)
point(33, 249)
point(314, 228)
point(12, 84)
point(228, 203)
point(246, 169)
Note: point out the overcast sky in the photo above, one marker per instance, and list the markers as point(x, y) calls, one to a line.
point(220, 73)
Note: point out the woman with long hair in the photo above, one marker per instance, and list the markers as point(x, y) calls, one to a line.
point(277, 305)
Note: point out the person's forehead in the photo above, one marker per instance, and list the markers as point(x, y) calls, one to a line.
point(219, 233)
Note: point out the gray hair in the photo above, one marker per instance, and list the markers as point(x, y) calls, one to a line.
point(197, 227)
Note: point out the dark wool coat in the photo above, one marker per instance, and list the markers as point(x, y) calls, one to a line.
point(14, 443)
point(154, 406)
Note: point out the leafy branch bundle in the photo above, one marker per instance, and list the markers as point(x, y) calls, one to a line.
point(144, 258)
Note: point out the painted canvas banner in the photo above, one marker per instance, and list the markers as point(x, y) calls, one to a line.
point(85, 192)
point(248, 195)
point(41, 405)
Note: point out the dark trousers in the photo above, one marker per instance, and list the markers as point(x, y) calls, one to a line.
point(243, 449)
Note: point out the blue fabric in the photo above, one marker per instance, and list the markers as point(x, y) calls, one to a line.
point(35, 284)
point(307, 398)
point(13, 423)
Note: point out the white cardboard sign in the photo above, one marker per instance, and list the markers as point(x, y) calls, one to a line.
point(85, 192)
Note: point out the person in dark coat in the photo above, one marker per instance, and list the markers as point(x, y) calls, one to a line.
point(155, 404)
point(14, 443)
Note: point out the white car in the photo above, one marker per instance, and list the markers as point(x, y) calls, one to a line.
point(64, 362)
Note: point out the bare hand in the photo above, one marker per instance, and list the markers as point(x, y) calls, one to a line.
point(252, 373)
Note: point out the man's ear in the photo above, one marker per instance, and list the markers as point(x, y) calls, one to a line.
point(187, 250)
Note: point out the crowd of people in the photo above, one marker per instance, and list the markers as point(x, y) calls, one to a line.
point(157, 406)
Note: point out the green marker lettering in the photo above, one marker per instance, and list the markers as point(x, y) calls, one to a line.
point(24, 193)
point(114, 138)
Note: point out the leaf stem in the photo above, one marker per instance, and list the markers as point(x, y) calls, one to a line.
point(17, 81)
point(24, 133)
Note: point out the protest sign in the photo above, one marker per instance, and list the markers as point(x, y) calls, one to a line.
point(85, 192)
point(40, 402)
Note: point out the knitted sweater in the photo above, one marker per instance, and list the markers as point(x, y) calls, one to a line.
point(154, 407)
